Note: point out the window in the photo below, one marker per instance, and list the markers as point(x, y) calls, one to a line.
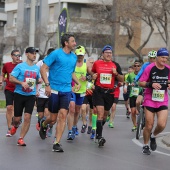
point(51, 13)
point(75, 10)
point(14, 19)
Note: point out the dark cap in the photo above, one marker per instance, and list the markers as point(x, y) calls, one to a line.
point(106, 47)
point(162, 52)
point(31, 50)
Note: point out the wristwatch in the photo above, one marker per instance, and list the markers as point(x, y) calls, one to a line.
point(47, 84)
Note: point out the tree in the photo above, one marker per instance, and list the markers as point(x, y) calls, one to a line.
point(160, 17)
point(129, 14)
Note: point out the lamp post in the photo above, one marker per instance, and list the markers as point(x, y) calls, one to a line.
point(32, 24)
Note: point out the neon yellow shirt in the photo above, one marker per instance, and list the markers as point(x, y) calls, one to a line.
point(79, 71)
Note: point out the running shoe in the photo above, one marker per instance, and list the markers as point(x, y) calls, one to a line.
point(13, 130)
point(43, 130)
point(146, 150)
point(89, 130)
point(111, 125)
point(83, 129)
point(70, 136)
point(49, 131)
point(21, 142)
point(8, 134)
point(92, 134)
point(134, 128)
point(75, 130)
point(38, 126)
point(153, 144)
point(101, 141)
point(57, 148)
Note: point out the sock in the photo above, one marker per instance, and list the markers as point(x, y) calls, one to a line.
point(104, 121)
point(152, 135)
point(94, 120)
point(145, 145)
point(99, 128)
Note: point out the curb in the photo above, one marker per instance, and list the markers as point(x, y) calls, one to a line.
point(166, 140)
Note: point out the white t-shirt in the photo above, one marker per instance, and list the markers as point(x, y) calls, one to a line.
point(41, 87)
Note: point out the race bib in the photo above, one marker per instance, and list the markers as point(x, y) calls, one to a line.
point(30, 82)
point(82, 94)
point(135, 91)
point(105, 78)
point(43, 86)
point(54, 91)
point(158, 95)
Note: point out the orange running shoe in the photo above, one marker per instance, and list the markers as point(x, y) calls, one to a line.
point(13, 130)
point(21, 142)
point(38, 126)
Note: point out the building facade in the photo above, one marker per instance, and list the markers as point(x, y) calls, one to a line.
point(88, 20)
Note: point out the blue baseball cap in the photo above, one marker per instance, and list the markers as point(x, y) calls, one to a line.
point(107, 47)
point(162, 52)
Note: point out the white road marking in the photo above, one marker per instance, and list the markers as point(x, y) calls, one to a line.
point(137, 142)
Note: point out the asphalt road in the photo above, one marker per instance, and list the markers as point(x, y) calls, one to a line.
point(121, 151)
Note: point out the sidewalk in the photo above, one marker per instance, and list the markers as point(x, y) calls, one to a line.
point(166, 140)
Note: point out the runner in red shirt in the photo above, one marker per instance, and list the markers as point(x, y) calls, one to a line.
point(9, 87)
point(105, 73)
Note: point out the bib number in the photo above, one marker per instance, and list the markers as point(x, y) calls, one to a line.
point(135, 91)
point(54, 91)
point(105, 78)
point(30, 82)
point(82, 94)
point(158, 95)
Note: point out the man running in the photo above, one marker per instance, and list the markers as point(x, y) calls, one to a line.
point(10, 87)
point(24, 75)
point(77, 98)
point(135, 91)
point(103, 97)
point(126, 92)
point(42, 100)
point(61, 63)
point(154, 79)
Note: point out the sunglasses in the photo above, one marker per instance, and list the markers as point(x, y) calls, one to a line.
point(16, 55)
point(136, 65)
point(108, 52)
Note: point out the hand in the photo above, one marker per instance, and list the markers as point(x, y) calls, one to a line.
point(40, 81)
point(37, 94)
point(25, 85)
point(82, 78)
point(156, 86)
point(77, 87)
point(48, 91)
point(94, 76)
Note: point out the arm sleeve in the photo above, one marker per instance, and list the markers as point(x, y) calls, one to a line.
point(145, 75)
point(141, 71)
point(16, 71)
point(51, 58)
point(4, 69)
point(119, 70)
